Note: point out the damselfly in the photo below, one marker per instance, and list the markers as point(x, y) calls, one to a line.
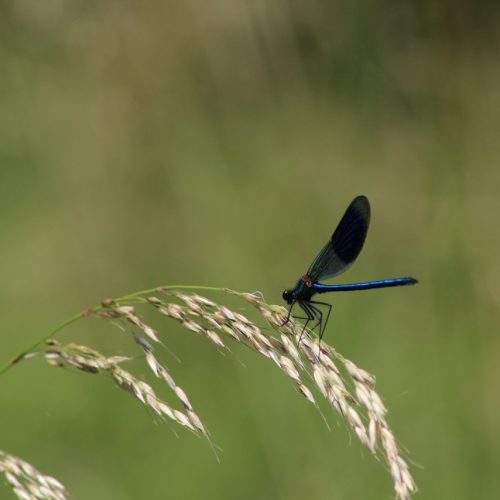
point(337, 255)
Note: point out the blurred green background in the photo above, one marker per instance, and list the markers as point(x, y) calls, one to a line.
point(218, 143)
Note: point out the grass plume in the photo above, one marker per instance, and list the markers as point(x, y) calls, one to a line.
point(314, 368)
point(28, 483)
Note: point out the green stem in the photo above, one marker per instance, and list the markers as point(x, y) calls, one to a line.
point(95, 309)
point(169, 287)
point(58, 328)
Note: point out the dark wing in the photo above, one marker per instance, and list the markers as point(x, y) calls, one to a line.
point(346, 242)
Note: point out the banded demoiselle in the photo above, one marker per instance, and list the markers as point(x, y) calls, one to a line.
point(337, 255)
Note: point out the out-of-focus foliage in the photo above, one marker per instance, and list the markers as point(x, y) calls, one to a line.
point(219, 143)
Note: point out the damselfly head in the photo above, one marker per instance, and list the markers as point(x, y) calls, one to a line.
point(289, 296)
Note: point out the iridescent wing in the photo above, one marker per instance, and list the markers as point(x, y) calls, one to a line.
point(345, 244)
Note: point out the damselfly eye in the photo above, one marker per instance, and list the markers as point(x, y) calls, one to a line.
point(287, 296)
